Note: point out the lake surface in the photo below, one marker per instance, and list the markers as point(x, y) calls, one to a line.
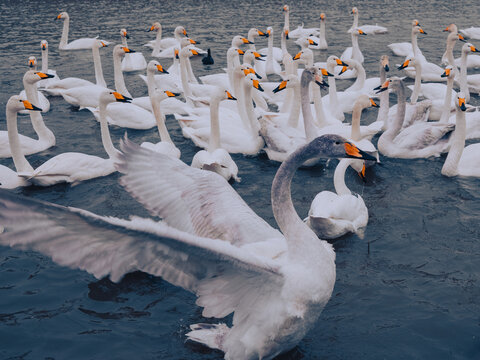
point(409, 289)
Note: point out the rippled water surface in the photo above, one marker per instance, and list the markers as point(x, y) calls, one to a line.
point(410, 289)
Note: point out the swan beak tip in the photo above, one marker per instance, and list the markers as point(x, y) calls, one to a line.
point(352, 151)
point(322, 83)
point(373, 103)
point(29, 106)
point(387, 68)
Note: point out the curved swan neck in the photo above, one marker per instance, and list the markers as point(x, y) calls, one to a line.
point(19, 160)
point(415, 48)
point(97, 62)
point(361, 76)
point(118, 76)
point(45, 60)
point(105, 131)
point(310, 131)
point(447, 101)
point(160, 119)
point(456, 149)
point(183, 76)
point(332, 85)
point(356, 53)
point(43, 132)
point(64, 38)
point(339, 177)
point(418, 82)
point(214, 141)
point(401, 107)
point(250, 111)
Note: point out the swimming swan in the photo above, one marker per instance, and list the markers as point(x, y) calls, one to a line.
point(275, 283)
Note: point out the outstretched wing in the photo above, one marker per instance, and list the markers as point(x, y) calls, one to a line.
point(196, 201)
point(112, 247)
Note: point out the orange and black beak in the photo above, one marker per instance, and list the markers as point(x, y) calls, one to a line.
point(446, 73)
point(230, 96)
point(171, 94)
point(373, 103)
point(280, 87)
point(258, 56)
point(311, 42)
point(297, 56)
point(161, 69)
point(340, 62)
point(151, 28)
point(461, 104)
point(360, 32)
point(44, 47)
point(59, 16)
point(45, 76)
point(446, 29)
point(256, 85)
point(185, 32)
point(194, 52)
point(325, 72)
point(176, 53)
point(344, 68)
point(193, 42)
point(261, 33)
point(120, 98)
point(473, 49)
point(246, 41)
point(125, 35)
point(404, 65)
point(383, 87)
point(461, 38)
point(422, 31)
point(127, 50)
point(354, 152)
point(29, 106)
point(361, 173)
point(286, 34)
point(31, 63)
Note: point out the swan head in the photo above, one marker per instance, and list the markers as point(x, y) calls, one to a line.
point(44, 45)
point(238, 41)
point(354, 10)
point(253, 32)
point(415, 23)
point(323, 16)
point(364, 101)
point(286, 8)
point(333, 61)
point(220, 94)
point(291, 81)
point(180, 31)
point(120, 50)
point(418, 30)
point(269, 32)
point(335, 146)
point(99, 44)
point(451, 28)
point(108, 96)
point(410, 61)
point(154, 66)
point(124, 34)
point(253, 81)
point(316, 74)
point(62, 15)
point(469, 48)
point(160, 95)
point(33, 76)
point(460, 102)
point(16, 103)
point(356, 32)
point(155, 27)
point(246, 69)
point(186, 42)
point(448, 73)
point(394, 84)
point(32, 62)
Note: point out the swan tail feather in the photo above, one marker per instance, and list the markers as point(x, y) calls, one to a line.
point(211, 335)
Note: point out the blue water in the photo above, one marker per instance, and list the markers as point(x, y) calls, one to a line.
point(409, 289)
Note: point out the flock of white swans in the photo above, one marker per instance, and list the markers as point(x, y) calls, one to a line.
point(210, 241)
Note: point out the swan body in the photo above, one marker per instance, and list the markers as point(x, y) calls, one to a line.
point(134, 61)
point(160, 43)
point(406, 49)
point(332, 215)
point(367, 29)
point(321, 41)
point(10, 179)
point(275, 283)
point(214, 158)
point(46, 138)
point(72, 167)
point(79, 44)
point(471, 32)
point(419, 140)
point(461, 160)
point(354, 51)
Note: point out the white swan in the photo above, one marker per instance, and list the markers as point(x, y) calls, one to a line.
point(133, 61)
point(166, 145)
point(274, 54)
point(468, 83)
point(73, 167)
point(320, 40)
point(367, 29)
point(461, 160)
point(419, 140)
point(354, 51)
point(214, 158)
point(44, 83)
point(333, 214)
point(56, 88)
point(180, 34)
point(79, 44)
point(275, 283)
point(46, 138)
point(40, 99)
point(10, 179)
point(159, 43)
point(405, 49)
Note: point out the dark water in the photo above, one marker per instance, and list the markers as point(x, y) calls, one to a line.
point(415, 294)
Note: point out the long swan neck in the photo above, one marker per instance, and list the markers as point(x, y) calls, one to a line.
point(45, 60)
point(332, 86)
point(463, 76)
point(447, 101)
point(318, 104)
point(356, 114)
point(240, 95)
point(283, 43)
point(418, 83)
point(105, 132)
point(19, 160)
point(97, 62)
point(361, 76)
point(64, 38)
point(355, 20)
point(214, 142)
point(355, 48)
point(295, 107)
point(43, 132)
point(339, 177)
point(118, 76)
point(310, 131)
point(183, 75)
point(456, 149)
point(384, 100)
point(158, 39)
point(160, 120)
point(415, 44)
point(322, 29)
point(250, 111)
point(150, 84)
point(287, 20)
point(401, 107)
